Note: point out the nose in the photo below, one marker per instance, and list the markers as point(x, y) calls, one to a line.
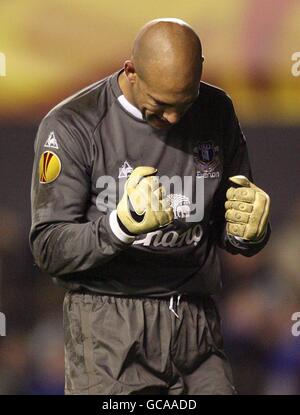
point(171, 116)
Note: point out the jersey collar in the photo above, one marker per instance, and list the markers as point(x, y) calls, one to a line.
point(128, 107)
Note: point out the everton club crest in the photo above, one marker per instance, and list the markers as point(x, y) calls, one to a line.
point(207, 159)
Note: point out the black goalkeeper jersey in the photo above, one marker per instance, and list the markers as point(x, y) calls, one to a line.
point(85, 149)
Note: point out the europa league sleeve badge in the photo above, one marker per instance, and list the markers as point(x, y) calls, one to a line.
point(49, 167)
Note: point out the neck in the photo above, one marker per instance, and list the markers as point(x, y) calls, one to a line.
point(125, 88)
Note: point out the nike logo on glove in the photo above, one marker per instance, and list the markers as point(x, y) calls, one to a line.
point(135, 216)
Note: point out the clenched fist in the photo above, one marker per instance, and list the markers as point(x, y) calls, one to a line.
point(247, 210)
point(144, 206)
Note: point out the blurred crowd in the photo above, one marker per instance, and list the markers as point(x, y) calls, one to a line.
point(31, 353)
point(259, 296)
point(248, 47)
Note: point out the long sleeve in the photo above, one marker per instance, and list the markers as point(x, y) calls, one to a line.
point(62, 240)
point(236, 162)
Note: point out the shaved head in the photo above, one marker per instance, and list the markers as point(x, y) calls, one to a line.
point(168, 51)
point(163, 74)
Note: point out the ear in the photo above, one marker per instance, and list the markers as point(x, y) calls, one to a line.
point(130, 71)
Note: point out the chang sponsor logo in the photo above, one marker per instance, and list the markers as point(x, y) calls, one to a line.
point(172, 239)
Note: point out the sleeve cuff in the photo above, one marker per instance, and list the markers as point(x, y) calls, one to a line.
point(241, 243)
point(117, 231)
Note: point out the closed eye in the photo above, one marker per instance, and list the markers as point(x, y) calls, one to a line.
point(165, 104)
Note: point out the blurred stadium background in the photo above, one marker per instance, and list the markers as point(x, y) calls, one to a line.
point(54, 48)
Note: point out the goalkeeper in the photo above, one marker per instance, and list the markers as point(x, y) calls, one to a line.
point(139, 316)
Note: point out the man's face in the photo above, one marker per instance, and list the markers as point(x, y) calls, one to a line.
point(160, 109)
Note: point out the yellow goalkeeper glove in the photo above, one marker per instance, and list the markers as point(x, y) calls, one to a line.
point(247, 210)
point(143, 206)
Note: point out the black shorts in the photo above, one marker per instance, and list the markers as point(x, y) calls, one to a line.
point(122, 346)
